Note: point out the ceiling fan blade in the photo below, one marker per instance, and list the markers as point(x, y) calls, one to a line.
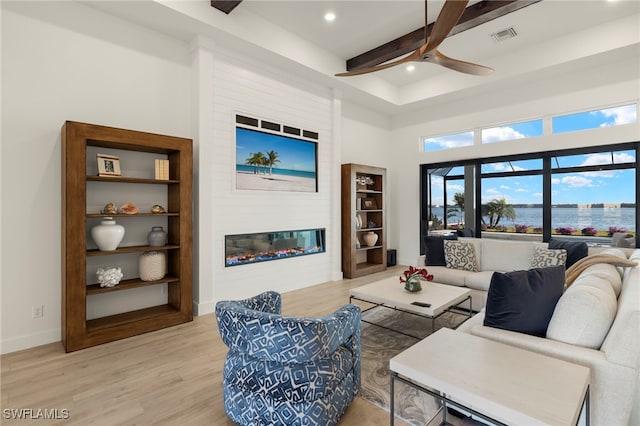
point(415, 55)
point(447, 19)
point(458, 65)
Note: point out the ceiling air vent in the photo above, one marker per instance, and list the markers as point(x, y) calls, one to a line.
point(504, 34)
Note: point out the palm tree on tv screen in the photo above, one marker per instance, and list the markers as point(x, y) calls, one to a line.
point(256, 159)
point(271, 160)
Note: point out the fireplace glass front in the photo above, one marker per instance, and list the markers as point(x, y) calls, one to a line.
point(241, 249)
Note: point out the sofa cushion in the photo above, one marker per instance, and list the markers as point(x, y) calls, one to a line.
point(607, 272)
point(505, 256)
point(622, 345)
point(543, 257)
point(619, 253)
point(479, 280)
point(456, 277)
point(523, 301)
point(584, 313)
point(460, 255)
point(434, 249)
point(576, 250)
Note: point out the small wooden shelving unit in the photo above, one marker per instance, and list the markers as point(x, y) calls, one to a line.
point(78, 332)
point(363, 203)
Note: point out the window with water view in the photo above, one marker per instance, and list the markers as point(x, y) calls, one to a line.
point(591, 195)
point(586, 193)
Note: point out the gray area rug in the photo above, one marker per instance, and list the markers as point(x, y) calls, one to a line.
point(379, 345)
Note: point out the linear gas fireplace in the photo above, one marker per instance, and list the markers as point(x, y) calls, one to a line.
point(241, 249)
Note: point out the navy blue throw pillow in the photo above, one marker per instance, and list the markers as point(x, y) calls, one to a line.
point(524, 301)
point(576, 250)
point(434, 249)
point(465, 232)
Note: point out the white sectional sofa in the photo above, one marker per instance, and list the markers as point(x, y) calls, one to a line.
point(596, 323)
point(491, 255)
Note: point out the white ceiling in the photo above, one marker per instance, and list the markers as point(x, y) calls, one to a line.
point(362, 25)
point(293, 36)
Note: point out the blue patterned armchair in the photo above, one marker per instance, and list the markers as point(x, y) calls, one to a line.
point(286, 370)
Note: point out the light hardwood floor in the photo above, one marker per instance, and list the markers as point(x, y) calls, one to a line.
point(167, 377)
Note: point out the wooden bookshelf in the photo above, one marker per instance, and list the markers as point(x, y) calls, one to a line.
point(363, 211)
point(78, 332)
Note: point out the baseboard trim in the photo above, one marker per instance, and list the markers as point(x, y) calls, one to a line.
point(203, 308)
point(15, 344)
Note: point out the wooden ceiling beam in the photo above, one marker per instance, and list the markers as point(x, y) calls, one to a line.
point(225, 6)
point(474, 15)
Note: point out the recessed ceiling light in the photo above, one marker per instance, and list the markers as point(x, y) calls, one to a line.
point(411, 68)
point(329, 16)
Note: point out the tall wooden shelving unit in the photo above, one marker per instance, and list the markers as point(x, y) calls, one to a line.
point(77, 331)
point(358, 259)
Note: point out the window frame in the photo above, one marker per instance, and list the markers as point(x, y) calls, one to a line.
point(547, 173)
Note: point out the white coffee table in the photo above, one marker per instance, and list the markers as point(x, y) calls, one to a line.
point(390, 293)
point(496, 382)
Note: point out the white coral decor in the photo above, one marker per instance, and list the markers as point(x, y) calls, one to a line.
point(109, 276)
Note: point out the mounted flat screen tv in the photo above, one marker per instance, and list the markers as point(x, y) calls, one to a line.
point(274, 162)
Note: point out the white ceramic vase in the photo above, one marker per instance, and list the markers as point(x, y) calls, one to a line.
point(370, 238)
point(108, 234)
point(153, 265)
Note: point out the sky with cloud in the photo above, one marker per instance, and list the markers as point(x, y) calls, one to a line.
point(611, 186)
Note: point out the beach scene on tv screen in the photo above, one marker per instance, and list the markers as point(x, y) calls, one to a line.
point(270, 162)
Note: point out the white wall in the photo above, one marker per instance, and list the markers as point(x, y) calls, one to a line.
point(366, 135)
point(367, 140)
point(66, 61)
point(240, 86)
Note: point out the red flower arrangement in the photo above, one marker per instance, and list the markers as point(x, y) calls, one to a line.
point(413, 273)
point(411, 278)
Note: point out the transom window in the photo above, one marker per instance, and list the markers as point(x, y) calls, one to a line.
point(615, 116)
point(448, 141)
point(509, 132)
point(606, 117)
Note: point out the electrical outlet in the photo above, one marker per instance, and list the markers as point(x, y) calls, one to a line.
point(37, 311)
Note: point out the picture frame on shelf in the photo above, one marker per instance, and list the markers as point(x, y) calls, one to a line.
point(108, 165)
point(369, 204)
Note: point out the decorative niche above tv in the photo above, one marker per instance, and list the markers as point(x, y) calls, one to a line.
point(275, 157)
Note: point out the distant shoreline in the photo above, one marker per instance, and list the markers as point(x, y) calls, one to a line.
point(573, 206)
point(574, 217)
point(275, 182)
point(579, 206)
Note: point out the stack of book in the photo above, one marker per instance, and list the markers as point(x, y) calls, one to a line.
point(162, 169)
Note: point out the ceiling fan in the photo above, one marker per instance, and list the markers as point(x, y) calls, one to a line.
point(428, 52)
